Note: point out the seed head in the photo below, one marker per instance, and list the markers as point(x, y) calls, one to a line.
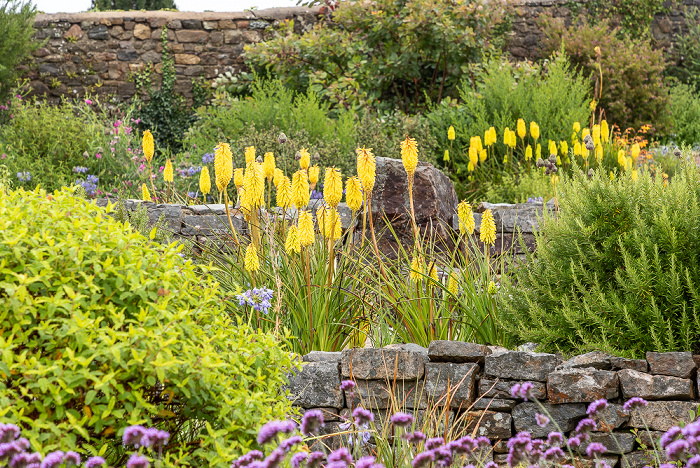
point(282, 138)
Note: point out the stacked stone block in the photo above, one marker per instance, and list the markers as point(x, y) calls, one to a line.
point(472, 382)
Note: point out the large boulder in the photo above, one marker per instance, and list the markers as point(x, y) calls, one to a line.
point(434, 201)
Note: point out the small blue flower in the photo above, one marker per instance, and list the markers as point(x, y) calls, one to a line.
point(80, 169)
point(24, 176)
point(208, 158)
point(257, 298)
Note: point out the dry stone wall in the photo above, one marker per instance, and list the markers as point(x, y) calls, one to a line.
point(473, 383)
point(98, 52)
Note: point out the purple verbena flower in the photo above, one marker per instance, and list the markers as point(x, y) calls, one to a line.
point(347, 385)
point(694, 462)
point(483, 442)
point(634, 402)
point(692, 429)
point(515, 390)
point(137, 461)
point(573, 442)
point(414, 437)
point(586, 425)
point(95, 462)
point(297, 458)
point(315, 459)
point(676, 449)
point(541, 419)
point(669, 436)
point(311, 422)
point(71, 458)
point(26, 460)
point(155, 438)
point(434, 442)
point(270, 430)
point(402, 419)
point(594, 449)
point(521, 442)
point(247, 459)
point(423, 459)
point(443, 456)
point(52, 460)
point(491, 464)
point(275, 458)
point(362, 416)
point(9, 432)
point(365, 462)
point(596, 406)
point(555, 438)
point(342, 454)
point(526, 390)
point(133, 435)
point(287, 444)
point(554, 454)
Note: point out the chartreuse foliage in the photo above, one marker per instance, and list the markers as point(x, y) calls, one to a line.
point(101, 329)
point(616, 271)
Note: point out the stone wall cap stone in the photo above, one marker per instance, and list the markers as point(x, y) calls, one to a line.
point(322, 356)
point(572, 385)
point(521, 365)
point(594, 359)
point(676, 364)
point(380, 363)
point(457, 351)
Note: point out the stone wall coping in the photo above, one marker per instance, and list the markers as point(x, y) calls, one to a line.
point(266, 14)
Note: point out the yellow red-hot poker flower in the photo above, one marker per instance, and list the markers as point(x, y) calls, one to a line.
point(452, 284)
point(304, 158)
point(483, 154)
point(269, 166)
point(331, 220)
point(604, 131)
point(145, 194)
point(599, 153)
point(538, 151)
point(168, 171)
point(292, 244)
point(306, 228)
point(577, 127)
point(353, 193)
point(284, 192)
point(451, 133)
point(254, 185)
point(553, 147)
point(635, 175)
point(622, 158)
point(148, 145)
point(366, 168)
point(300, 189)
point(466, 218)
point(432, 271)
point(314, 172)
point(528, 153)
point(204, 181)
point(417, 269)
point(473, 156)
point(409, 155)
point(494, 136)
point(635, 150)
point(323, 223)
point(251, 262)
point(249, 154)
point(278, 176)
point(534, 130)
point(596, 134)
point(333, 186)
point(446, 157)
point(513, 139)
point(506, 136)
point(522, 131)
point(577, 149)
point(564, 147)
point(238, 177)
point(223, 165)
point(488, 228)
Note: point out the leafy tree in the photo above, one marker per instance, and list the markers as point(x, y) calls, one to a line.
point(16, 44)
point(101, 5)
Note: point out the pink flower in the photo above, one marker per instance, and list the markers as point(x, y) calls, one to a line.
point(161, 168)
point(142, 167)
point(98, 156)
point(88, 102)
point(112, 148)
point(117, 123)
point(127, 130)
point(3, 156)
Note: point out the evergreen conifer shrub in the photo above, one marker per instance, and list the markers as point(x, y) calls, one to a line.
point(101, 329)
point(617, 271)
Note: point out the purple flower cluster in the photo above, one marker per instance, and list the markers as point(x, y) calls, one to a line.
point(535, 200)
point(189, 172)
point(208, 158)
point(258, 298)
point(139, 436)
point(523, 390)
point(80, 169)
point(683, 444)
point(89, 184)
point(24, 176)
point(270, 430)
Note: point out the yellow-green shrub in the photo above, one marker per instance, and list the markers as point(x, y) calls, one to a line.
point(101, 329)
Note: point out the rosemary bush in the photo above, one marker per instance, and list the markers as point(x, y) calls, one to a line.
point(616, 271)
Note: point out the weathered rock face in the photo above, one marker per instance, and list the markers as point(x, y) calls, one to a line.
point(663, 415)
point(501, 388)
point(566, 416)
point(618, 363)
point(594, 359)
point(451, 384)
point(521, 365)
point(611, 417)
point(491, 424)
point(313, 386)
point(434, 197)
point(674, 364)
point(654, 387)
point(386, 364)
point(457, 351)
point(616, 443)
point(572, 385)
point(380, 394)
